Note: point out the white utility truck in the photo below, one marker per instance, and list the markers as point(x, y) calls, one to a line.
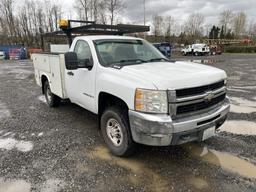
point(139, 95)
point(196, 49)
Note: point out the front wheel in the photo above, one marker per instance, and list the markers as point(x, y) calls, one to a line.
point(116, 133)
point(51, 99)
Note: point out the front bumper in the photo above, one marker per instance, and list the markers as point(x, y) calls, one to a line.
point(161, 130)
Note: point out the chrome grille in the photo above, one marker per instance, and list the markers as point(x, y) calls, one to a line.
point(199, 90)
point(200, 105)
point(194, 100)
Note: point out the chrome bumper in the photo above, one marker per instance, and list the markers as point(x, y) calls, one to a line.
point(161, 130)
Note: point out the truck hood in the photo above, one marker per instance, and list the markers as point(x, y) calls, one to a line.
point(175, 75)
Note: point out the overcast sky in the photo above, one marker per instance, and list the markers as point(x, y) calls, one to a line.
point(180, 9)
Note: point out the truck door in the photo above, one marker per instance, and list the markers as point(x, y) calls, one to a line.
point(80, 83)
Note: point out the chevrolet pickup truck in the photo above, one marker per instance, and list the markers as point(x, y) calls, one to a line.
point(138, 94)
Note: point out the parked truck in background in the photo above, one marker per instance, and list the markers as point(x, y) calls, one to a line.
point(138, 94)
point(196, 49)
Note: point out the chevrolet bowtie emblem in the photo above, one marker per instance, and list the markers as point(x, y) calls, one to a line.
point(209, 96)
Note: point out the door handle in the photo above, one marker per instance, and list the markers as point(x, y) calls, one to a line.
point(70, 73)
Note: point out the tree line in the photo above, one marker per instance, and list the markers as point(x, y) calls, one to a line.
point(231, 25)
point(22, 23)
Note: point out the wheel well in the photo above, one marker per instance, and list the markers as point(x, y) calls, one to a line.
point(107, 100)
point(43, 80)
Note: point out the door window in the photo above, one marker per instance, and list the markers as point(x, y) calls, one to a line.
point(83, 52)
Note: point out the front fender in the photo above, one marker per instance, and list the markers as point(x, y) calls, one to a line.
point(119, 84)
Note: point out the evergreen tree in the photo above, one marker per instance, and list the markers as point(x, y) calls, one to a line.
point(230, 35)
point(222, 35)
point(214, 33)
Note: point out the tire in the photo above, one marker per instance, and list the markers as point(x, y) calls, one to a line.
point(120, 144)
point(196, 53)
point(51, 99)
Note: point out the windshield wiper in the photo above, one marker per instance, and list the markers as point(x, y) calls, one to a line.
point(119, 64)
point(132, 60)
point(158, 59)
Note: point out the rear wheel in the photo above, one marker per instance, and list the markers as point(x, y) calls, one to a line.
point(116, 133)
point(51, 99)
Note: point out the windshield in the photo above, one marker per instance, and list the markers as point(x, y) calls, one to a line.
point(126, 52)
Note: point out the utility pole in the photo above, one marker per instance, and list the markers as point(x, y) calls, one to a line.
point(144, 7)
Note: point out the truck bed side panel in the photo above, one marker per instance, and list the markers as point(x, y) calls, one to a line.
point(52, 66)
point(56, 81)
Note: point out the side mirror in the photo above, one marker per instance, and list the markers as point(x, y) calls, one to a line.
point(71, 61)
point(85, 63)
point(89, 64)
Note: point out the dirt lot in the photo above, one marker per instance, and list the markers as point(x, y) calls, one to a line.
point(50, 150)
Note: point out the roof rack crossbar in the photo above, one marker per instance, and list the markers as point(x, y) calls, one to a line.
point(91, 28)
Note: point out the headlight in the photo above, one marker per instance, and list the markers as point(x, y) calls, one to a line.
point(151, 101)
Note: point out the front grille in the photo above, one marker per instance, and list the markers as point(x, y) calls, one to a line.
point(199, 106)
point(199, 90)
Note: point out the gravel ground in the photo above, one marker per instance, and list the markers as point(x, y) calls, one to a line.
point(50, 150)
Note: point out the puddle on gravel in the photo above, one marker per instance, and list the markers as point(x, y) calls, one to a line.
point(42, 98)
point(10, 143)
point(52, 185)
point(249, 87)
point(238, 90)
point(138, 169)
point(225, 160)
point(239, 127)
point(234, 78)
point(14, 186)
point(4, 112)
point(207, 61)
point(239, 105)
point(198, 183)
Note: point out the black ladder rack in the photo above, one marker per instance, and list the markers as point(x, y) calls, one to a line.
point(91, 28)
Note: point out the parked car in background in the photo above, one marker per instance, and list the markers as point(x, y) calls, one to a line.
point(2, 55)
point(196, 49)
point(18, 51)
point(164, 48)
point(215, 50)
